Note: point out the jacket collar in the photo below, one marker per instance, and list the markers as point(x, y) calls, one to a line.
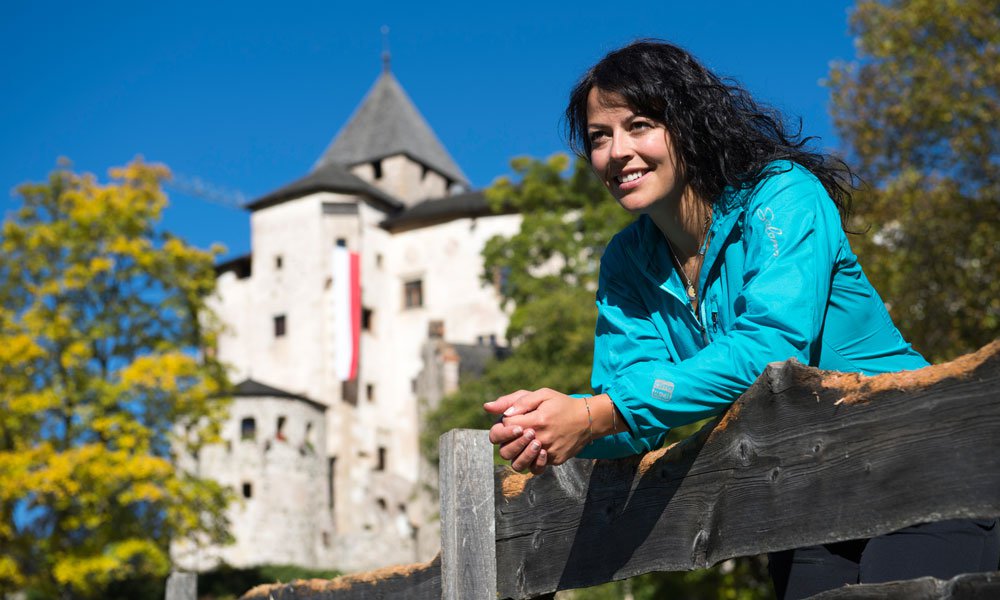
point(648, 249)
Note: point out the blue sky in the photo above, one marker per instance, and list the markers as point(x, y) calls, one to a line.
point(247, 95)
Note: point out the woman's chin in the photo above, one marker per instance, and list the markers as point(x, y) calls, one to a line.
point(633, 205)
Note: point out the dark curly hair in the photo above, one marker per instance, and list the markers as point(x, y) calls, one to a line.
point(723, 137)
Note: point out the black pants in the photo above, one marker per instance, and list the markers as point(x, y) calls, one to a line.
point(942, 550)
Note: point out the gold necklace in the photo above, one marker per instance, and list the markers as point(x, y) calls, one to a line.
point(691, 292)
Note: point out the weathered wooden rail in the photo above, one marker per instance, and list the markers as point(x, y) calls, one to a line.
point(804, 457)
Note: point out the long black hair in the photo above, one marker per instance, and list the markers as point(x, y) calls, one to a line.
point(723, 137)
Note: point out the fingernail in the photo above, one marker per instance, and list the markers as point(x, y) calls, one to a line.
point(510, 411)
point(517, 430)
point(530, 434)
point(542, 454)
point(535, 445)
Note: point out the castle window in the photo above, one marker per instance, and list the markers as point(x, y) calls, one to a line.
point(278, 262)
point(413, 293)
point(330, 489)
point(501, 277)
point(342, 242)
point(366, 319)
point(280, 433)
point(435, 329)
point(280, 326)
point(380, 462)
point(378, 260)
point(413, 385)
point(309, 444)
point(370, 392)
point(349, 391)
point(247, 489)
point(248, 429)
point(377, 168)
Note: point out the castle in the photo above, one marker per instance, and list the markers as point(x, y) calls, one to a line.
point(361, 301)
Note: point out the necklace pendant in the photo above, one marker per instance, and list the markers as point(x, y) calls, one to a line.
point(691, 292)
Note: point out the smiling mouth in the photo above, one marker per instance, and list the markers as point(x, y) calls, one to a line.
point(630, 177)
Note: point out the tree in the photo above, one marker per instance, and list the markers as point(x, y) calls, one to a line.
point(918, 112)
point(101, 382)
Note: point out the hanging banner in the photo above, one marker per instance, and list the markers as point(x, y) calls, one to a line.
point(346, 312)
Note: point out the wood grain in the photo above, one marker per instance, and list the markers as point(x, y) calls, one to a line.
point(468, 556)
point(974, 586)
point(802, 458)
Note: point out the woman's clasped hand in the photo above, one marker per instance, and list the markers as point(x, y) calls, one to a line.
point(546, 427)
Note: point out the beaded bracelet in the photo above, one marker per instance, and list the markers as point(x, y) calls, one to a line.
point(614, 418)
point(590, 418)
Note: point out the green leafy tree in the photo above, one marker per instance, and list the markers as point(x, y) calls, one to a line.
point(101, 317)
point(918, 111)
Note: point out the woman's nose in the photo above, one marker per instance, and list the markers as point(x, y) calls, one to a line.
point(620, 147)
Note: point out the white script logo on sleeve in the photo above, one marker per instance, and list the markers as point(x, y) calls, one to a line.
point(767, 216)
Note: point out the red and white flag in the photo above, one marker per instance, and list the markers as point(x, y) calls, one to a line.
point(346, 312)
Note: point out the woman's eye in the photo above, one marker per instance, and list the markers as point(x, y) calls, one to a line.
point(597, 137)
point(640, 125)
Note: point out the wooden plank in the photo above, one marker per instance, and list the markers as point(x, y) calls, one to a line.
point(974, 586)
point(468, 553)
point(415, 582)
point(804, 457)
point(181, 586)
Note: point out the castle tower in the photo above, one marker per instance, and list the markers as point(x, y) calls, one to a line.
point(332, 448)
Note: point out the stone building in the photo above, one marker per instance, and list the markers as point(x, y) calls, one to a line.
point(327, 469)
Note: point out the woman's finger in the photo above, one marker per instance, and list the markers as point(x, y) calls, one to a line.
point(528, 402)
point(526, 458)
point(540, 463)
point(504, 434)
point(498, 406)
point(512, 450)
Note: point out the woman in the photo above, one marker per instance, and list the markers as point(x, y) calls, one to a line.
point(738, 258)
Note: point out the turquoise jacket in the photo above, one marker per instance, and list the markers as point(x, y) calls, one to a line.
point(779, 281)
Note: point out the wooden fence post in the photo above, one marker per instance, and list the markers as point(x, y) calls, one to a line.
point(182, 586)
point(468, 531)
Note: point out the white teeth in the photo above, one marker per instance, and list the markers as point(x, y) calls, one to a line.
point(631, 176)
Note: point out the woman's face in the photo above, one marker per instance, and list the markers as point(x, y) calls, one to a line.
point(633, 155)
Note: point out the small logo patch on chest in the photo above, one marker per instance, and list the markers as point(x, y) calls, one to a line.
point(662, 390)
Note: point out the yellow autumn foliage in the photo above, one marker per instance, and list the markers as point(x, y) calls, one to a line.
point(96, 370)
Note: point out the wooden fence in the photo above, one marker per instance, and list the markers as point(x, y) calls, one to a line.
point(804, 457)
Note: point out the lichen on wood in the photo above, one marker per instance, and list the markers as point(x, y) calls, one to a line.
point(855, 387)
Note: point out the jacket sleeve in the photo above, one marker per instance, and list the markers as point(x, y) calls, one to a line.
point(624, 333)
point(791, 237)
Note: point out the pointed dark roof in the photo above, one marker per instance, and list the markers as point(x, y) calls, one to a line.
point(328, 178)
point(385, 124)
point(251, 388)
